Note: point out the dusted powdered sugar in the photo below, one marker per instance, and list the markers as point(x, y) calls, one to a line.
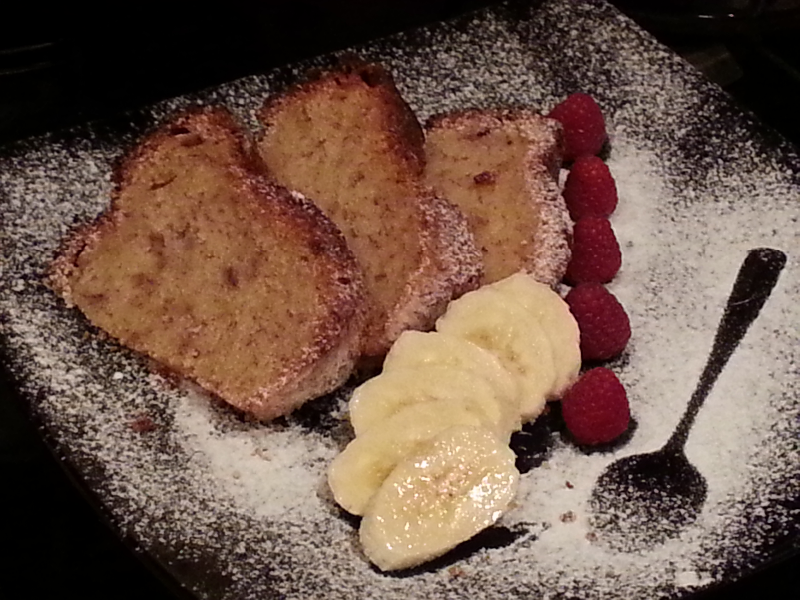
point(237, 509)
point(247, 461)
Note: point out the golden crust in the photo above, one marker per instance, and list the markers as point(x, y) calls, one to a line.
point(196, 124)
point(416, 250)
point(402, 130)
point(473, 156)
point(450, 267)
point(230, 321)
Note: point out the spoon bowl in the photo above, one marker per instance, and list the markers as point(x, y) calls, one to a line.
point(646, 499)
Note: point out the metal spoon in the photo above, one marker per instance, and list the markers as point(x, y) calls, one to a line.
point(642, 500)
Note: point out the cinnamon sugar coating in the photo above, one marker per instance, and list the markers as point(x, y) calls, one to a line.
point(216, 273)
point(348, 141)
point(500, 167)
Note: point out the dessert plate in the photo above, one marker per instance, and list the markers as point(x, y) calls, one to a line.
point(235, 509)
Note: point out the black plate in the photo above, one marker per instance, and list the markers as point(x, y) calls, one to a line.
point(232, 509)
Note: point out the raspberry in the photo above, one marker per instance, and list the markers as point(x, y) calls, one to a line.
point(595, 408)
point(590, 190)
point(603, 323)
point(584, 126)
point(596, 256)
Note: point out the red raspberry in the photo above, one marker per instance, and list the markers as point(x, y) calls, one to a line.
point(590, 190)
point(595, 408)
point(603, 323)
point(584, 126)
point(596, 256)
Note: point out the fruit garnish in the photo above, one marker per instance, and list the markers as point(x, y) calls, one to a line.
point(595, 408)
point(379, 398)
point(430, 465)
point(584, 125)
point(556, 320)
point(495, 322)
point(590, 190)
point(418, 349)
point(596, 256)
point(434, 500)
point(603, 322)
point(359, 471)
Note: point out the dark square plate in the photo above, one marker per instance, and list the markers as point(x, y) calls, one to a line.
point(233, 509)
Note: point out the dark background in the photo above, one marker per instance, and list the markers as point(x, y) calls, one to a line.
point(74, 64)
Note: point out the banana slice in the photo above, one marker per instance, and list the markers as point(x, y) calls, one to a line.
point(357, 473)
point(433, 501)
point(416, 348)
point(377, 399)
point(496, 323)
point(557, 321)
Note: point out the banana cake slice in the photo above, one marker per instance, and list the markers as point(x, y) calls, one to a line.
point(348, 141)
point(500, 167)
point(218, 274)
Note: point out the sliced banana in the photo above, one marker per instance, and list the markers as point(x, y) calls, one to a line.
point(557, 321)
point(502, 326)
point(357, 473)
point(417, 348)
point(433, 501)
point(377, 399)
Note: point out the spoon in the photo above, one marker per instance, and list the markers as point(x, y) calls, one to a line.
point(642, 500)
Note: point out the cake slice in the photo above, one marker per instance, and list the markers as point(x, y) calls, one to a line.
point(501, 167)
point(221, 276)
point(348, 141)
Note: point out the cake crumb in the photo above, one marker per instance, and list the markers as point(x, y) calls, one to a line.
point(455, 571)
point(486, 177)
point(143, 424)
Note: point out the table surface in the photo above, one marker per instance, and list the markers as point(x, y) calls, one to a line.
point(74, 69)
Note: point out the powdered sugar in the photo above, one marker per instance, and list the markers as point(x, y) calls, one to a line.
point(246, 462)
point(237, 509)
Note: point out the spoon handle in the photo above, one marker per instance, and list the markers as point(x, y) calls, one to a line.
point(754, 283)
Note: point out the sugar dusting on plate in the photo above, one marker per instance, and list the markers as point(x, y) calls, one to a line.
point(237, 509)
